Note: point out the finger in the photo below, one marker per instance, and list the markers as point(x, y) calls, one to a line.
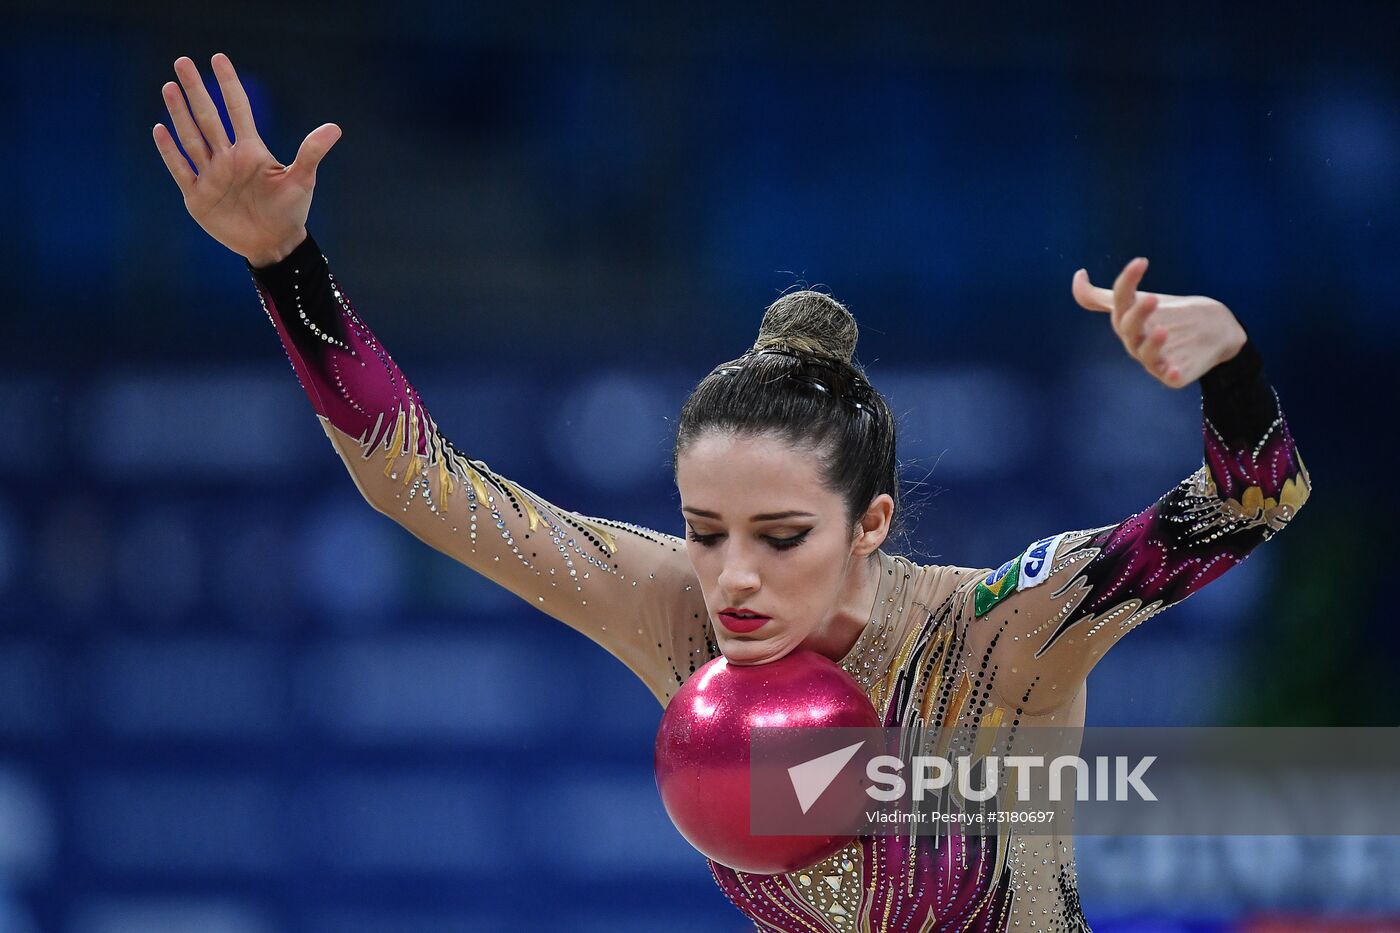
point(240, 113)
point(1151, 353)
point(1125, 287)
point(313, 149)
point(1134, 324)
point(179, 168)
point(1168, 373)
point(190, 137)
point(206, 115)
point(1090, 297)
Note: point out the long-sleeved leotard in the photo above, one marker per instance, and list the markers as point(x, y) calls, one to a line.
point(945, 646)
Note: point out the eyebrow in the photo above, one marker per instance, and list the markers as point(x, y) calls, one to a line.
point(765, 517)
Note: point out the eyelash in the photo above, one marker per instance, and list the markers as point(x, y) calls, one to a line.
point(779, 544)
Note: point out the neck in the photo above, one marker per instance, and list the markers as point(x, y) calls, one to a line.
point(854, 604)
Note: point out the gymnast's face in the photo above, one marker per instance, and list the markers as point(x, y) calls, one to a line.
point(765, 535)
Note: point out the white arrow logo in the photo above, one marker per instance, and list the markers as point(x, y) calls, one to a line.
point(811, 778)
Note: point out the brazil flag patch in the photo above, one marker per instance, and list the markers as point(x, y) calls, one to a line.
point(1000, 584)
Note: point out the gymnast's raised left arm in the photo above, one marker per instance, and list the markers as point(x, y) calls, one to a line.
point(1046, 616)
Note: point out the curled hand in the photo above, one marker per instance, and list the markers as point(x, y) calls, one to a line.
point(1176, 338)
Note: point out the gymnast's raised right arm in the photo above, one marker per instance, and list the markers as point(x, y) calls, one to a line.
point(630, 589)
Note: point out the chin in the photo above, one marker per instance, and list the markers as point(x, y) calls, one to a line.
point(761, 651)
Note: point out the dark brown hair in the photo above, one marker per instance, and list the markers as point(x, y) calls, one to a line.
point(800, 381)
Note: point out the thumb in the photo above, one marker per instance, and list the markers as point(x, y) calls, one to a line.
point(1090, 297)
point(313, 149)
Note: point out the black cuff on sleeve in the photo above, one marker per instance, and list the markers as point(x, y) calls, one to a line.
point(305, 260)
point(1237, 399)
point(300, 289)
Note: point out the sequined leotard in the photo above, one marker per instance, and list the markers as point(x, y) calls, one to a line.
point(944, 645)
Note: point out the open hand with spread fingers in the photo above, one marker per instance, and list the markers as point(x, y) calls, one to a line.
point(1176, 338)
point(235, 189)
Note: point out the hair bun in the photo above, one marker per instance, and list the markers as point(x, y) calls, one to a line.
point(809, 322)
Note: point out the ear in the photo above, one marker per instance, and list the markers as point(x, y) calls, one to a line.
point(874, 525)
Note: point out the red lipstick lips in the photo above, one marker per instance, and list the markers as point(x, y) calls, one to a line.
point(741, 622)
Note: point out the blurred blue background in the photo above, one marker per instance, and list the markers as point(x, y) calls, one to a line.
point(235, 699)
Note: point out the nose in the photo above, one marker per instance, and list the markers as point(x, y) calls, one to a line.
point(739, 578)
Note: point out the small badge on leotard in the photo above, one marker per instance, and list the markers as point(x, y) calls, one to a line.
point(1000, 584)
point(1036, 562)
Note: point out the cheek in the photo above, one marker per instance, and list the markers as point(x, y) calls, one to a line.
point(812, 573)
point(704, 563)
